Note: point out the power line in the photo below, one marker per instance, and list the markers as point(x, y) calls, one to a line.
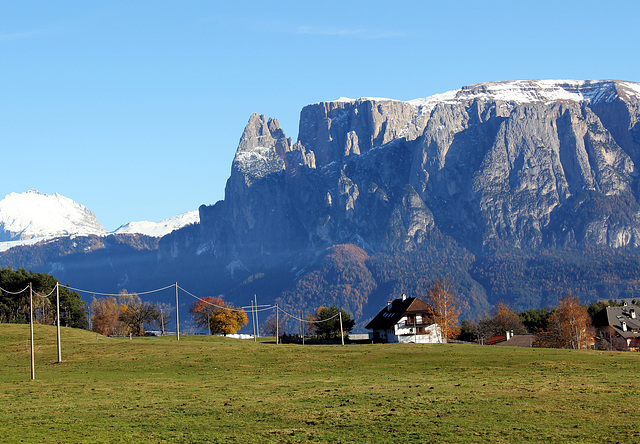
point(50, 293)
point(238, 310)
point(116, 294)
point(307, 320)
point(14, 292)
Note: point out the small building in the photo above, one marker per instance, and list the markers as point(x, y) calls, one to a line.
point(405, 320)
point(618, 328)
point(510, 340)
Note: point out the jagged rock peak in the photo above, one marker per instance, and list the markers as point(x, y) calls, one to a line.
point(261, 151)
point(261, 133)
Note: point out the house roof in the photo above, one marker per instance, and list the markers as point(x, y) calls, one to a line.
point(615, 316)
point(392, 313)
point(518, 341)
point(495, 340)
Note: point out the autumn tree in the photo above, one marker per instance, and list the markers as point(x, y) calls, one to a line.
point(325, 322)
point(218, 316)
point(503, 320)
point(445, 306)
point(123, 314)
point(570, 323)
point(105, 316)
point(137, 314)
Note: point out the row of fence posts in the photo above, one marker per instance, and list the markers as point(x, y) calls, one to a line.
point(254, 317)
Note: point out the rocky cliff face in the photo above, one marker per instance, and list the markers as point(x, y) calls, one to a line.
point(521, 191)
point(524, 164)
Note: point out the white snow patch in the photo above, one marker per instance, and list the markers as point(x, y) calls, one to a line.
point(160, 228)
point(35, 216)
point(531, 91)
point(258, 162)
point(4, 246)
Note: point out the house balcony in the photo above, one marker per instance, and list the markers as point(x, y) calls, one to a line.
point(412, 324)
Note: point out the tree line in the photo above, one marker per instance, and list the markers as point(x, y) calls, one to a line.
point(14, 308)
point(567, 325)
point(126, 314)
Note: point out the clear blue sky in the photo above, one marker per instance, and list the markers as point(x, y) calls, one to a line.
point(135, 108)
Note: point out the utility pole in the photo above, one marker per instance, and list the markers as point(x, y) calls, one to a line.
point(257, 323)
point(341, 330)
point(58, 326)
point(33, 365)
point(177, 316)
point(162, 322)
point(277, 325)
point(90, 323)
point(253, 321)
point(302, 318)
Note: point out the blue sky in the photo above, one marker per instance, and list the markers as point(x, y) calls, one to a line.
point(134, 109)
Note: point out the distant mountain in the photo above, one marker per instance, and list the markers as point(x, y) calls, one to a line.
point(516, 167)
point(519, 190)
point(34, 216)
point(160, 228)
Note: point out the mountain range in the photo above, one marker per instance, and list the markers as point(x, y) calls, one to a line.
point(32, 217)
point(519, 190)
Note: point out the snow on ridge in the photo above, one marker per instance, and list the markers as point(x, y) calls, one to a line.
point(258, 162)
point(260, 152)
point(530, 91)
point(160, 228)
point(521, 91)
point(31, 215)
point(359, 99)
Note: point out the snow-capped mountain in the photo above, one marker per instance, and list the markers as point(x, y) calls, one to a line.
point(32, 217)
point(37, 216)
point(160, 228)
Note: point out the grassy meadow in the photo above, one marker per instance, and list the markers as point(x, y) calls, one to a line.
point(213, 389)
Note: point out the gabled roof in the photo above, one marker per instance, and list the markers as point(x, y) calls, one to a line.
point(615, 316)
point(518, 341)
point(495, 340)
point(390, 315)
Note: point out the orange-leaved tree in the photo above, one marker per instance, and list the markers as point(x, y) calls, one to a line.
point(443, 298)
point(105, 316)
point(218, 316)
point(570, 323)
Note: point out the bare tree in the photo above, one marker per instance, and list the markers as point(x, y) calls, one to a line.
point(270, 328)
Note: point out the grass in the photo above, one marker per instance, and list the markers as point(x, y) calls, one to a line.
point(211, 389)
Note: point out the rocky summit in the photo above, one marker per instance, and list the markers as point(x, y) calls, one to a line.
point(517, 189)
point(524, 164)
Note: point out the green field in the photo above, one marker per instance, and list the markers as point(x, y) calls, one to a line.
point(212, 389)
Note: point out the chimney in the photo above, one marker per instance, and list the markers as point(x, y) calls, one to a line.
point(507, 335)
point(624, 326)
point(632, 313)
point(404, 297)
point(388, 305)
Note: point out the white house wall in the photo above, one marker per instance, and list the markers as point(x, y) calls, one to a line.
point(406, 335)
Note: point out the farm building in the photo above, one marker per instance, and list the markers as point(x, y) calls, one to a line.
point(405, 320)
point(618, 327)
